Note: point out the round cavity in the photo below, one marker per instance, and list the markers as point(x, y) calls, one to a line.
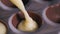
point(9, 5)
point(15, 19)
point(3, 28)
point(51, 14)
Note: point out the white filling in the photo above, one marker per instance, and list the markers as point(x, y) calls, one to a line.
point(27, 26)
point(2, 29)
point(29, 23)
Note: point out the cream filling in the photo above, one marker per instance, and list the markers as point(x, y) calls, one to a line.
point(25, 26)
point(2, 28)
point(29, 23)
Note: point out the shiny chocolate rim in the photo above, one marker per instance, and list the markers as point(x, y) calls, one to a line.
point(46, 19)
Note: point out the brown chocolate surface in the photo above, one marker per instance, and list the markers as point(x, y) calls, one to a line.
point(19, 17)
point(53, 13)
point(8, 3)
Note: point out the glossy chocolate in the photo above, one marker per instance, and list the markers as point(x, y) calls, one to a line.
point(53, 13)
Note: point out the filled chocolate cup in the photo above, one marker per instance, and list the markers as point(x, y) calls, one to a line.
point(8, 4)
point(52, 14)
point(15, 19)
point(3, 28)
